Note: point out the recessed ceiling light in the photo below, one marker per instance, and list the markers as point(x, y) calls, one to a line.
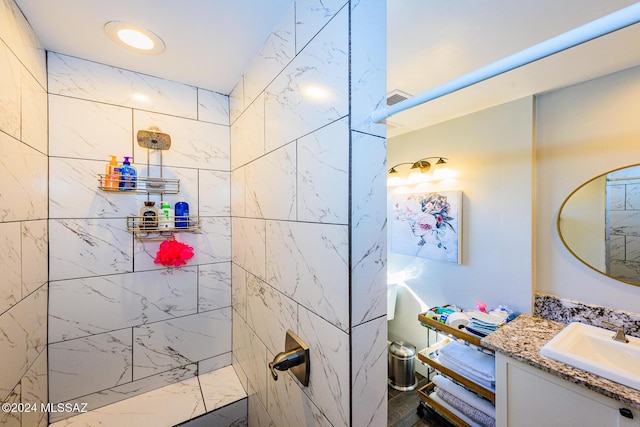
point(134, 38)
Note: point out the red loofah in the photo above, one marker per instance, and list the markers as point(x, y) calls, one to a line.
point(173, 253)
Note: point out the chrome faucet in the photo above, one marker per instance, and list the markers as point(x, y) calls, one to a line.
point(619, 336)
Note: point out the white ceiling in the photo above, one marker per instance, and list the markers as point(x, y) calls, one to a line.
point(433, 41)
point(210, 43)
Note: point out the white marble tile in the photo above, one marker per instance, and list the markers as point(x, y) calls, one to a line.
point(213, 243)
point(35, 253)
point(238, 186)
point(35, 124)
point(249, 237)
point(239, 290)
point(311, 16)
point(87, 365)
point(10, 265)
point(258, 415)
point(270, 314)
point(236, 101)
point(213, 107)
point(34, 389)
point(368, 64)
point(276, 53)
point(23, 338)
point(169, 344)
point(290, 406)
point(16, 32)
point(10, 82)
point(313, 90)
point(251, 355)
point(163, 407)
point(194, 144)
point(323, 174)
point(129, 390)
point(91, 247)
point(632, 248)
point(632, 199)
point(89, 130)
point(616, 197)
point(214, 363)
point(617, 248)
point(309, 263)
point(214, 193)
point(12, 419)
point(220, 388)
point(214, 286)
point(271, 185)
point(74, 192)
point(368, 228)
point(83, 79)
point(329, 377)
point(247, 134)
point(625, 222)
point(93, 305)
point(369, 373)
point(234, 414)
point(23, 173)
point(31, 315)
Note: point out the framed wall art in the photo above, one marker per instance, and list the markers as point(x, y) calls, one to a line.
point(426, 225)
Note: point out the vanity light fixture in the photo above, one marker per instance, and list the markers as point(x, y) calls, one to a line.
point(134, 38)
point(417, 172)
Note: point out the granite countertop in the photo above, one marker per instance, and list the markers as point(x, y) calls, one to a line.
point(523, 338)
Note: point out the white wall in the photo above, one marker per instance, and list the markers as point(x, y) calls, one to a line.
point(583, 131)
point(23, 218)
point(491, 153)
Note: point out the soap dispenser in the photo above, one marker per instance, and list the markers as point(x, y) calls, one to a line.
point(112, 175)
point(128, 176)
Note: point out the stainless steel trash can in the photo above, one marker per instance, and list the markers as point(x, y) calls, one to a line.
point(402, 375)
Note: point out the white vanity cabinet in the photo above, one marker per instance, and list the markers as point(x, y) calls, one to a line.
point(527, 396)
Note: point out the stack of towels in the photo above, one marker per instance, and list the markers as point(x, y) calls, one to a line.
point(477, 366)
point(482, 324)
point(466, 405)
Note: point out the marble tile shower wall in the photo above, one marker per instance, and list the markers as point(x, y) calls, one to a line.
point(23, 217)
point(308, 204)
point(119, 324)
point(622, 241)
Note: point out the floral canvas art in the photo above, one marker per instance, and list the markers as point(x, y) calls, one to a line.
point(426, 225)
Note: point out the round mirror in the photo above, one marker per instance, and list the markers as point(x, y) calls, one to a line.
point(599, 222)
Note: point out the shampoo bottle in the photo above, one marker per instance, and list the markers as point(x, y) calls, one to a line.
point(149, 215)
point(182, 215)
point(165, 216)
point(128, 176)
point(112, 175)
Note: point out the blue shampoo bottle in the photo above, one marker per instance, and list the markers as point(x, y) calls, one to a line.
point(128, 176)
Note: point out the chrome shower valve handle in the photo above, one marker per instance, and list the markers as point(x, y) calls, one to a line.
point(294, 358)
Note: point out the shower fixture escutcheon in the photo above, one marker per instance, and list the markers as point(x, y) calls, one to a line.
point(295, 358)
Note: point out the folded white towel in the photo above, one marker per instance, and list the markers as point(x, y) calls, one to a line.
point(465, 395)
point(454, 366)
point(474, 413)
point(456, 412)
point(480, 364)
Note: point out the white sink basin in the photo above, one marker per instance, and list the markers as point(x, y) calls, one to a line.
point(593, 349)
